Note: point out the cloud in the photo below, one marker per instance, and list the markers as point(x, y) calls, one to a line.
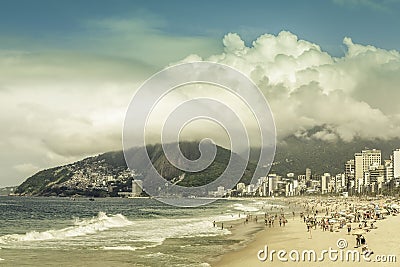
point(352, 96)
point(64, 96)
point(60, 106)
point(26, 168)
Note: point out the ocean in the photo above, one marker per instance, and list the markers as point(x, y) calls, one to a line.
point(37, 231)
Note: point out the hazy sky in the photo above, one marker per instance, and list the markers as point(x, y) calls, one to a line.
point(68, 69)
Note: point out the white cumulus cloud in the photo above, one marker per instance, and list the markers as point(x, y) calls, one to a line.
point(354, 95)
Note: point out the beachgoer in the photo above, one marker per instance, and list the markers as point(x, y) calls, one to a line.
point(362, 240)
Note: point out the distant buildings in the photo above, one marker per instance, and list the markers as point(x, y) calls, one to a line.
point(137, 188)
point(308, 174)
point(363, 174)
point(364, 162)
point(396, 163)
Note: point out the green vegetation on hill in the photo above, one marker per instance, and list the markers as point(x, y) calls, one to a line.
point(56, 181)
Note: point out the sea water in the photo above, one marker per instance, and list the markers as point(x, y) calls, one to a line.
point(114, 231)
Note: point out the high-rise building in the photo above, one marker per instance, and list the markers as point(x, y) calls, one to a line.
point(389, 170)
point(272, 183)
point(377, 173)
point(308, 174)
point(349, 169)
point(371, 158)
point(358, 171)
point(396, 163)
point(137, 188)
point(325, 180)
point(363, 162)
point(349, 174)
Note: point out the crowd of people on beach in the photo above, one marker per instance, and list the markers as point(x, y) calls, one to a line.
point(270, 219)
point(353, 216)
point(335, 214)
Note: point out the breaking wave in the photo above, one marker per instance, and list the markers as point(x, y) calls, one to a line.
point(82, 227)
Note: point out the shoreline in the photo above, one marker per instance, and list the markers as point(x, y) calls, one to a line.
point(294, 236)
point(245, 233)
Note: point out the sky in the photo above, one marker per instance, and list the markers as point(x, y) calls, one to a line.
point(68, 69)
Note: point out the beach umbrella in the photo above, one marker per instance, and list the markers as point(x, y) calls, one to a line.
point(358, 232)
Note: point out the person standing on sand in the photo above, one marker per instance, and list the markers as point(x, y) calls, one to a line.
point(357, 241)
point(348, 228)
point(362, 240)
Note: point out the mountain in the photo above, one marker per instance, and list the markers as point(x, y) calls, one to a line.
point(107, 174)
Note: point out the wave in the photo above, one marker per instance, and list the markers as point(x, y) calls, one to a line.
point(242, 207)
point(136, 235)
point(83, 227)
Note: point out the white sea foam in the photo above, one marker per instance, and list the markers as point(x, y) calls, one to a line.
point(154, 255)
point(128, 248)
point(242, 207)
point(136, 235)
point(2, 259)
point(83, 227)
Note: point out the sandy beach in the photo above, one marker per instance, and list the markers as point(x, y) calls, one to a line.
point(382, 240)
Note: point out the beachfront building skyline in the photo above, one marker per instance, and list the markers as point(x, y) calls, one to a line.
point(364, 174)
